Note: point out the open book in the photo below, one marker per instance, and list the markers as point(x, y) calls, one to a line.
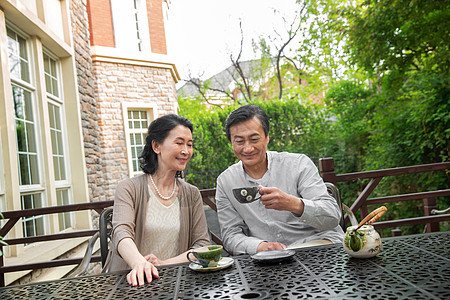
point(309, 244)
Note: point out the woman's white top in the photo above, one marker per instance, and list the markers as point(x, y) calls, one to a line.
point(162, 228)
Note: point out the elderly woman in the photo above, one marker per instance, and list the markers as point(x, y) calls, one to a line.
point(157, 218)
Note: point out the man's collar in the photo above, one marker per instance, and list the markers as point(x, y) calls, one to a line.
point(269, 162)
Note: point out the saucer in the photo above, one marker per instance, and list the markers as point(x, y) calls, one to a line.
point(224, 262)
point(273, 255)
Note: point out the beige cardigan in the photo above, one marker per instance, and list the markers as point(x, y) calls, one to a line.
point(130, 206)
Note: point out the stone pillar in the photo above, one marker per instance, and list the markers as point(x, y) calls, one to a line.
point(89, 118)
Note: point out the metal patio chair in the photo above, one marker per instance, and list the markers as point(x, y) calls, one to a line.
point(104, 233)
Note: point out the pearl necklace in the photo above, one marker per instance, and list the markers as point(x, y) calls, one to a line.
point(159, 194)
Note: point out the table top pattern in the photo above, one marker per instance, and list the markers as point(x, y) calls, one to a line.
point(409, 267)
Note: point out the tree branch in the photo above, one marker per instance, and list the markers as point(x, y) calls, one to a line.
point(199, 85)
point(237, 66)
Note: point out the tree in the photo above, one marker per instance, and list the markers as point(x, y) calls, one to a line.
point(396, 37)
point(263, 76)
point(294, 127)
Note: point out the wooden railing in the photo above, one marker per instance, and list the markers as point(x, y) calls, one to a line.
point(326, 166)
point(14, 216)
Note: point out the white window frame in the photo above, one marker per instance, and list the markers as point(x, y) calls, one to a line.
point(58, 101)
point(152, 113)
point(124, 24)
point(2, 183)
point(31, 88)
point(34, 218)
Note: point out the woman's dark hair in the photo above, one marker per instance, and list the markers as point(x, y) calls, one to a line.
point(245, 113)
point(158, 131)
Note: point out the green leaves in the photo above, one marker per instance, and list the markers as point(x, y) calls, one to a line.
point(393, 37)
point(391, 110)
point(294, 128)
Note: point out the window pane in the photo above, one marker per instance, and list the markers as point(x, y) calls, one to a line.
point(19, 102)
point(23, 48)
point(138, 139)
point(57, 111)
point(39, 223)
point(24, 71)
point(63, 218)
point(31, 138)
point(37, 200)
point(34, 169)
point(135, 166)
point(55, 87)
point(62, 168)
point(46, 64)
point(138, 123)
point(48, 84)
point(53, 67)
point(28, 228)
point(21, 136)
point(17, 56)
point(57, 142)
point(51, 115)
point(56, 168)
point(139, 150)
point(13, 45)
point(51, 76)
point(24, 173)
point(25, 136)
point(33, 225)
point(54, 140)
point(13, 57)
point(27, 202)
point(133, 153)
point(29, 116)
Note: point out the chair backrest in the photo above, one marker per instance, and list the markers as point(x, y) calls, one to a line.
point(105, 228)
point(206, 197)
point(334, 192)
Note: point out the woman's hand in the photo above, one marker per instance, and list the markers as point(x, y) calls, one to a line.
point(141, 269)
point(154, 260)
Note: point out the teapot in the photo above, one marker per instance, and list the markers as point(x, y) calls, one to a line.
point(362, 240)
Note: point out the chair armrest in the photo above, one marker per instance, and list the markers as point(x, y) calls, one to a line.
point(82, 267)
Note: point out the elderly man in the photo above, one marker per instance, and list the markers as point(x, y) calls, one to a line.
point(294, 208)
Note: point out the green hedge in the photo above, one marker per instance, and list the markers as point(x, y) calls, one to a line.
point(293, 128)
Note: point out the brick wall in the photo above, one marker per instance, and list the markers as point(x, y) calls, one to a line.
point(100, 23)
point(156, 24)
point(87, 101)
point(117, 83)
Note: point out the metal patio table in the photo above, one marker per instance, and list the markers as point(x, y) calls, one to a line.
point(408, 267)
